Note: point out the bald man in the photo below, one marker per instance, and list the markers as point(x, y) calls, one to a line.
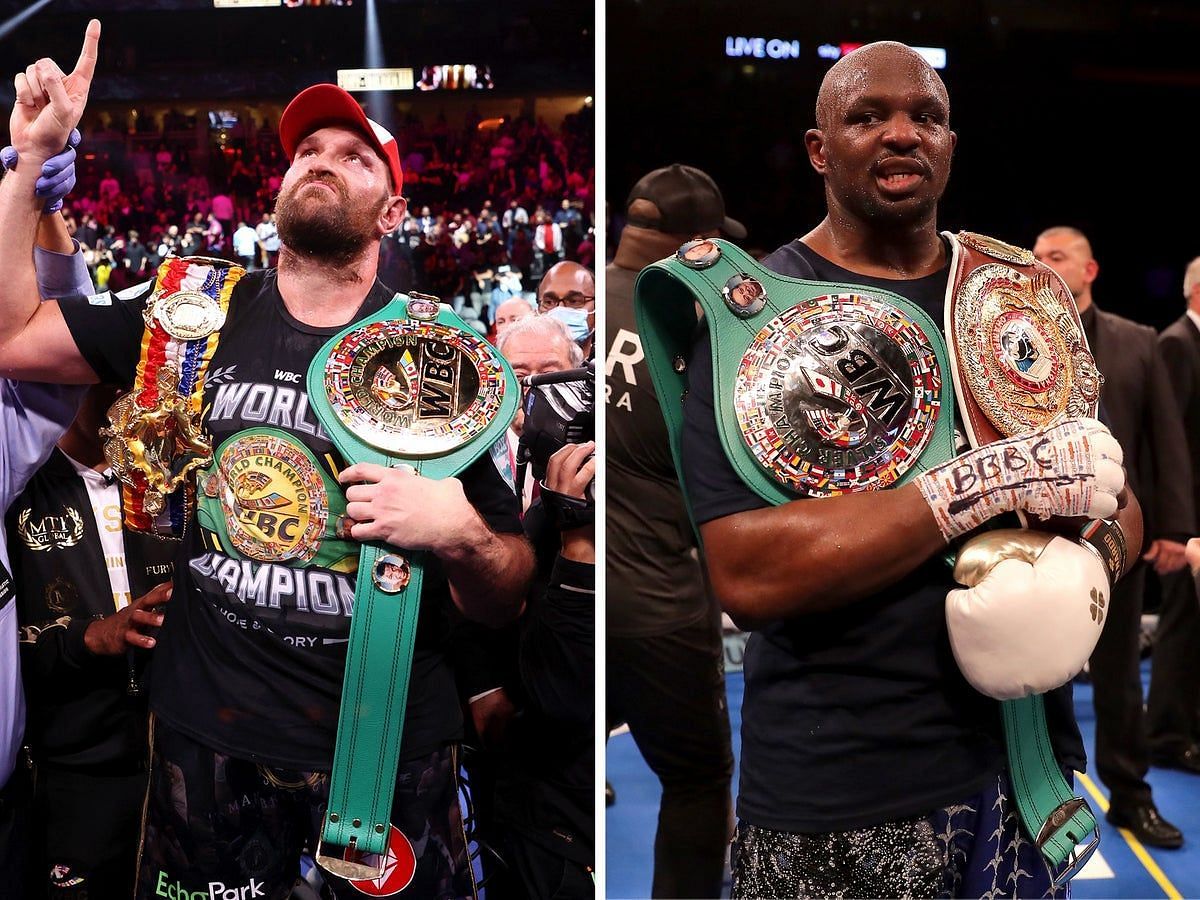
point(567, 292)
point(1137, 404)
point(869, 765)
point(510, 312)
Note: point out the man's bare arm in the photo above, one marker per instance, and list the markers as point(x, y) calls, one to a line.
point(489, 580)
point(817, 555)
point(824, 554)
point(20, 215)
point(42, 349)
point(489, 573)
point(45, 351)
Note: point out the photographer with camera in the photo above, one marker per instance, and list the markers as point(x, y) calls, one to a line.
point(530, 691)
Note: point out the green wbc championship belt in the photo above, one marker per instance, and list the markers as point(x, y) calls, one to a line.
point(836, 387)
point(413, 385)
point(266, 497)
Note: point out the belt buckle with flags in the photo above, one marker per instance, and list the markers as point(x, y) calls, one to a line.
point(822, 388)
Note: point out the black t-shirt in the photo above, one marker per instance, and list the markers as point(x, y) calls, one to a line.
point(251, 655)
point(857, 716)
point(546, 771)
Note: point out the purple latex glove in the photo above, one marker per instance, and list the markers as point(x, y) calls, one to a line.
point(58, 172)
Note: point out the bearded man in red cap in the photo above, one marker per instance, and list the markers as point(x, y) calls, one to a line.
point(247, 670)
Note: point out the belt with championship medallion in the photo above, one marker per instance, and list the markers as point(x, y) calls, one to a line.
point(156, 439)
point(413, 385)
point(1021, 362)
point(266, 497)
point(835, 388)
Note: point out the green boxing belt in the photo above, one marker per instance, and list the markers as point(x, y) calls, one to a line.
point(266, 497)
point(835, 387)
point(411, 385)
point(823, 389)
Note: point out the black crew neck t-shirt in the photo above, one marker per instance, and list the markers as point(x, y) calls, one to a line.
point(857, 716)
point(251, 655)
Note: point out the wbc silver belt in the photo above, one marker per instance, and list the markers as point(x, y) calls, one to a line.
point(835, 387)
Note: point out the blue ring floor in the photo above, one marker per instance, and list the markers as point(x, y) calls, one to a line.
point(1115, 871)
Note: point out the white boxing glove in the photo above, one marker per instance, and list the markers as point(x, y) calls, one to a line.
point(1031, 612)
point(1072, 469)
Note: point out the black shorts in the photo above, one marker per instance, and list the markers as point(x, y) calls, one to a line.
point(218, 826)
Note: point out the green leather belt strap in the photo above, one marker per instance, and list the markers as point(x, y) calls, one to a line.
point(665, 297)
point(382, 630)
point(1056, 819)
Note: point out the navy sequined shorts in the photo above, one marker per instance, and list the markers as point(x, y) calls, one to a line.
point(971, 849)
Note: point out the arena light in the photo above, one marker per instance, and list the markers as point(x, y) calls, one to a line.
point(377, 104)
point(242, 4)
point(935, 56)
point(456, 77)
point(8, 25)
point(375, 79)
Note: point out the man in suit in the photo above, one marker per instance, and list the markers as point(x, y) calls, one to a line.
point(1136, 403)
point(1175, 673)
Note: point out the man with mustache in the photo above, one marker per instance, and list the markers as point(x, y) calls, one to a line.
point(247, 678)
point(870, 766)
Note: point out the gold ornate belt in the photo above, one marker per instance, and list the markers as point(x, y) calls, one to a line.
point(156, 439)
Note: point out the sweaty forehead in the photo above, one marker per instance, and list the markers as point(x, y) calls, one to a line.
point(878, 70)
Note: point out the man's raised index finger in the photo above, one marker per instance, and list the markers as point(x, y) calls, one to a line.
point(86, 66)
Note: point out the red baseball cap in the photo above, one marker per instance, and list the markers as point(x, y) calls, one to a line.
point(327, 104)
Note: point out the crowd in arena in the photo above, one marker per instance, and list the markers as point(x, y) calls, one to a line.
point(493, 204)
point(258, 249)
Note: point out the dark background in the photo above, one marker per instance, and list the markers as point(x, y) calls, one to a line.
point(1067, 113)
point(186, 49)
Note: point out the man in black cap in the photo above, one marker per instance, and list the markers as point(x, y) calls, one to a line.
point(665, 673)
